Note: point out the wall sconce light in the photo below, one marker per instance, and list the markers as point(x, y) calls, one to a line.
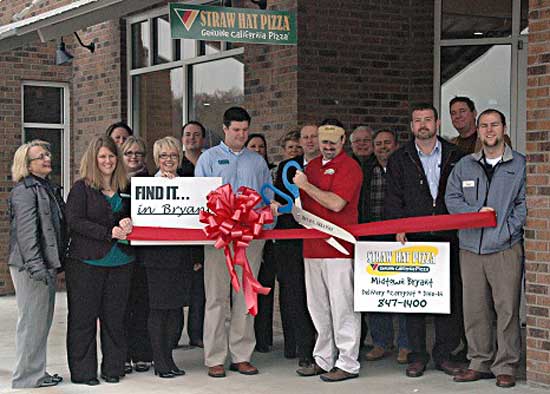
point(62, 56)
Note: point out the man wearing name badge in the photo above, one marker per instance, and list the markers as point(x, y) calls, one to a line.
point(416, 178)
point(329, 188)
point(237, 166)
point(491, 258)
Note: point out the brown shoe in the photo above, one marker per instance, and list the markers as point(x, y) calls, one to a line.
point(506, 381)
point(337, 375)
point(415, 369)
point(377, 353)
point(402, 356)
point(310, 370)
point(217, 371)
point(450, 367)
point(244, 367)
point(471, 375)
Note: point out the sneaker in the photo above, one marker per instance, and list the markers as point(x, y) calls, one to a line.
point(310, 370)
point(337, 375)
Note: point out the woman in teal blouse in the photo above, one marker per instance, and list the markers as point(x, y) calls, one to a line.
point(98, 270)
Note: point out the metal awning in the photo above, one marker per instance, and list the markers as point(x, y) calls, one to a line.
point(65, 20)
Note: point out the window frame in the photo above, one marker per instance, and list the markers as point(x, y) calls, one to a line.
point(65, 127)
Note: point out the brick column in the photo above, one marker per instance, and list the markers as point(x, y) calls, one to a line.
point(537, 231)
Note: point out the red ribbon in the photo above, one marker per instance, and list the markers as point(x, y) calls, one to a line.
point(234, 223)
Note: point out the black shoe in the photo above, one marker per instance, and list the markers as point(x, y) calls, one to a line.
point(142, 366)
point(47, 381)
point(90, 382)
point(128, 367)
point(164, 375)
point(110, 379)
point(305, 362)
point(177, 372)
point(197, 343)
point(55, 377)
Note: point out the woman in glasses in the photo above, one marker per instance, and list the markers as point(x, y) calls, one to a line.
point(36, 250)
point(137, 335)
point(98, 269)
point(169, 271)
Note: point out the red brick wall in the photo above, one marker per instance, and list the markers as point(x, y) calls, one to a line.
point(537, 234)
point(95, 87)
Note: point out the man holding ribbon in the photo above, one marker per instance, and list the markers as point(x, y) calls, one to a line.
point(330, 188)
point(491, 258)
point(416, 178)
point(238, 167)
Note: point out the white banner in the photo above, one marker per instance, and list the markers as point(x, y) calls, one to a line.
point(410, 278)
point(174, 203)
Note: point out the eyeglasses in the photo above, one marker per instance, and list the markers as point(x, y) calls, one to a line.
point(133, 154)
point(42, 156)
point(362, 141)
point(166, 156)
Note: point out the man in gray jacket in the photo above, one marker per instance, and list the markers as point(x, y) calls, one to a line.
point(491, 258)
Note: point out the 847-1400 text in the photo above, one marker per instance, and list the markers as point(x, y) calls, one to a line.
point(405, 303)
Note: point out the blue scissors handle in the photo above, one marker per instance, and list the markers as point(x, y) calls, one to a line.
point(291, 187)
point(285, 208)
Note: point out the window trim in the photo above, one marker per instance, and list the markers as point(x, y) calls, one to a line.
point(65, 126)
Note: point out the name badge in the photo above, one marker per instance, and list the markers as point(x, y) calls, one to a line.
point(224, 161)
point(468, 184)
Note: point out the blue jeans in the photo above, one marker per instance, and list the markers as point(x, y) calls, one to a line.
point(381, 329)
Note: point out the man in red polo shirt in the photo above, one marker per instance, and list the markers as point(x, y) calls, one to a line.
point(330, 189)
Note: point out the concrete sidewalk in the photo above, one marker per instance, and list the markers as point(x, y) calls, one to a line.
point(276, 373)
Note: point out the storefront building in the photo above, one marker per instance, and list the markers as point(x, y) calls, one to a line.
point(364, 62)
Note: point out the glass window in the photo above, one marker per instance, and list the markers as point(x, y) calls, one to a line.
point(216, 85)
point(165, 48)
point(55, 138)
point(476, 18)
point(481, 73)
point(524, 24)
point(157, 106)
point(42, 104)
point(210, 47)
point(140, 44)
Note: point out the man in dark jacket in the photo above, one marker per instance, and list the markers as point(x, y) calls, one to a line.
point(416, 178)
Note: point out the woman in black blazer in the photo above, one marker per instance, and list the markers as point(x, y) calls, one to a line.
point(168, 275)
point(98, 269)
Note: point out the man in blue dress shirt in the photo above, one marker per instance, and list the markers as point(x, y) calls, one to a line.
point(237, 166)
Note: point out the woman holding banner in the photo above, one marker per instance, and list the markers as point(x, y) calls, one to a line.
point(98, 269)
point(168, 275)
point(137, 313)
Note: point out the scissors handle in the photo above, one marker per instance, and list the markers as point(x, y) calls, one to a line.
point(285, 208)
point(291, 187)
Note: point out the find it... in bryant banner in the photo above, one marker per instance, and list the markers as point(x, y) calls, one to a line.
point(410, 278)
point(232, 24)
point(173, 203)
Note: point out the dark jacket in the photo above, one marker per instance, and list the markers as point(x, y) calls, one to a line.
point(408, 193)
point(286, 221)
point(37, 227)
point(364, 200)
point(91, 221)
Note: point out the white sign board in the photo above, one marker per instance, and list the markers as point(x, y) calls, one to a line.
point(410, 278)
point(173, 203)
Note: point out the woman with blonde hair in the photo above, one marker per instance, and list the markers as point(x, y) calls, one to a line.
point(169, 271)
point(36, 251)
point(98, 269)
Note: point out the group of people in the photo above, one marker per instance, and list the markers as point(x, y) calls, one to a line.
point(137, 293)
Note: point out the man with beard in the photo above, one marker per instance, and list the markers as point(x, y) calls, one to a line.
point(416, 178)
point(330, 187)
point(371, 209)
point(491, 258)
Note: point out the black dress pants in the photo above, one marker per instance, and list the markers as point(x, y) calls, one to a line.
point(449, 329)
point(283, 260)
point(137, 314)
point(94, 293)
point(163, 325)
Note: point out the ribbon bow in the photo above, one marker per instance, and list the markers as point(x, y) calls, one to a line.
point(233, 223)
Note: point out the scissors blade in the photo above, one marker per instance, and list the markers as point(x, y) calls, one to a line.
point(309, 220)
point(337, 245)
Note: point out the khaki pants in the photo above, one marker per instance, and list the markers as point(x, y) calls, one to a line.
point(492, 285)
point(329, 287)
point(218, 309)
